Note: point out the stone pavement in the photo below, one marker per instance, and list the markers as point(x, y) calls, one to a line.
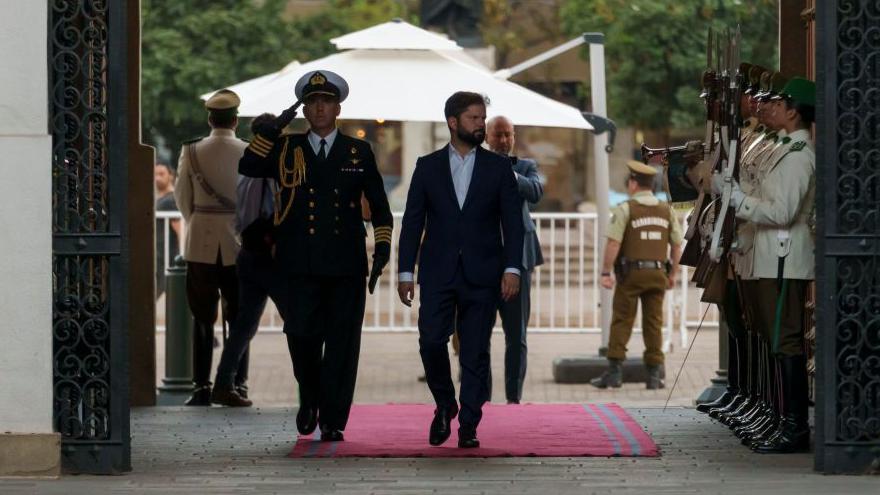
point(390, 363)
point(227, 451)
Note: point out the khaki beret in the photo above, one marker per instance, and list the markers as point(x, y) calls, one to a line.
point(637, 167)
point(223, 100)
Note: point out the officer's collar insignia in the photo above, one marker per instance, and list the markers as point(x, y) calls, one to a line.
point(798, 146)
point(786, 140)
point(317, 79)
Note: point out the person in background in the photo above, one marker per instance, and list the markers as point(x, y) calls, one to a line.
point(163, 179)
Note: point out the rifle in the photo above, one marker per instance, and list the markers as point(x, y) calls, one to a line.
point(717, 239)
point(690, 255)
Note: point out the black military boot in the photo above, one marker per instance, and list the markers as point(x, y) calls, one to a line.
point(201, 395)
point(654, 381)
point(613, 377)
point(793, 434)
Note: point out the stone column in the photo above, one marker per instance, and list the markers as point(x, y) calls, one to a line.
point(28, 446)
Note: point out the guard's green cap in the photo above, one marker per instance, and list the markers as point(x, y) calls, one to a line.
point(800, 91)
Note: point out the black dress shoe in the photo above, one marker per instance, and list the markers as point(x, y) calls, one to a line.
point(242, 390)
point(306, 419)
point(440, 426)
point(331, 435)
point(201, 396)
point(467, 439)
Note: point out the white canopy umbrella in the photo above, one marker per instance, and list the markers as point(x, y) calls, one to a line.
point(403, 81)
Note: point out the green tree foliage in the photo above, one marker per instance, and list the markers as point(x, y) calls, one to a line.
point(194, 46)
point(656, 51)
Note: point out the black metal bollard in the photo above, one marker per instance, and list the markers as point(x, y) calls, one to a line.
point(177, 384)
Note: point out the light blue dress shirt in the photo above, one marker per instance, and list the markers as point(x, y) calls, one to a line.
point(315, 141)
point(462, 169)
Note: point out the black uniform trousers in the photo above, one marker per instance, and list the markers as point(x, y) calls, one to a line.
point(205, 284)
point(258, 280)
point(471, 309)
point(323, 327)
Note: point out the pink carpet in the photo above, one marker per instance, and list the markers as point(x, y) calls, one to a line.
point(528, 430)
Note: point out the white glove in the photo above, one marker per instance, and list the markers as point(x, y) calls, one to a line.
point(736, 194)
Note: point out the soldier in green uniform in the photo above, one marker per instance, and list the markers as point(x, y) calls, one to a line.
point(783, 258)
point(321, 246)
point(640, 230)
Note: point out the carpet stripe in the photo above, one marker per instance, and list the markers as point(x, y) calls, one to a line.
point(611, 438)
point(314, 446)
point(625, 448)
point(635, 447)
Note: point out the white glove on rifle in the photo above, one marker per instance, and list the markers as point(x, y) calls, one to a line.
point(736, 194)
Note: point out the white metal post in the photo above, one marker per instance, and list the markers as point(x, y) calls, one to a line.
point(600, 157)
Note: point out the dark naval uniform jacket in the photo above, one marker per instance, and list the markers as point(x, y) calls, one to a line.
point(321, 230)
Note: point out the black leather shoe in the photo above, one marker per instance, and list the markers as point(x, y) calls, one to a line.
point(720, 402)
point(440, 426)
point(467, 439)
point(201, 396)
point(242, 390)
point(229, 398)
point(306, 419)
point(331, 435)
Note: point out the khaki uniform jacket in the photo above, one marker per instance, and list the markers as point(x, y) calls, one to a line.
point(780, 207)
point(620, 217)
point(210, 227)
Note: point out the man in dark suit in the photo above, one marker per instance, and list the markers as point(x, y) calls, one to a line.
point(320, 246)
point(501, 138)
point(464, 200)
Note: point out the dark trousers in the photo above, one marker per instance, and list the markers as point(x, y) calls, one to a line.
point(323, 327)
point(205, 284)
point(514, 320)
point(257, 281)
point(471, 309)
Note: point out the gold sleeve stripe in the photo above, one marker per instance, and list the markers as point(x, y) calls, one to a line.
point(382, 234)
point(257, 152)
point(260, 147)
point(262, 141)
point(386, 238)
point(380, 230)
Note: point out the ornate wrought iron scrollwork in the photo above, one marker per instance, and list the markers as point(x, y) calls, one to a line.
point(84, 412)
point(857, 201)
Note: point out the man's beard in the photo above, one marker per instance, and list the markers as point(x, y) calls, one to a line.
point(473, 138)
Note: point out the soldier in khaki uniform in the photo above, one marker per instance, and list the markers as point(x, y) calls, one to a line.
point(638, 235)
point(205, 195)
point(782, 257)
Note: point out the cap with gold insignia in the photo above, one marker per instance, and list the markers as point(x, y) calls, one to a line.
point(322, 82)
point(224, 99)
point(799, 90)
point(636, 167)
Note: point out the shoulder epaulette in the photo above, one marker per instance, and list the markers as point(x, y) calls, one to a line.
point(798, 146)
point(194, 140)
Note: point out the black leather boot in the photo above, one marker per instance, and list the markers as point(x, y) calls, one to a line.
point(793, 434)
point(613, 377)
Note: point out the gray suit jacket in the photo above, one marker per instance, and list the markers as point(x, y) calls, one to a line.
point(531, 191)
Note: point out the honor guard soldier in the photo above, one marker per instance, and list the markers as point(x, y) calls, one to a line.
point(205, 195)
point(783, 258)
point(640, 230)
point(321, 246)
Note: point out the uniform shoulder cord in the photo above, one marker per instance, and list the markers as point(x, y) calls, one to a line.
point(290, 178)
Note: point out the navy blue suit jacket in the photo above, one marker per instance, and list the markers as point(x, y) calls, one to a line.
point(486, 233)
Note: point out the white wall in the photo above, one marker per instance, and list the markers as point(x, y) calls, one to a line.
point(25, 221)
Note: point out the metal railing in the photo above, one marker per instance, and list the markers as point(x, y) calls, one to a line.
point(564, 289)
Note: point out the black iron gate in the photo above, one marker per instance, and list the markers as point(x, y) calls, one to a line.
point(848, 237)
point(88, 98)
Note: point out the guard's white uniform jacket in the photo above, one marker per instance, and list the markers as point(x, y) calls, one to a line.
point(210, 226)
point(780, 208)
